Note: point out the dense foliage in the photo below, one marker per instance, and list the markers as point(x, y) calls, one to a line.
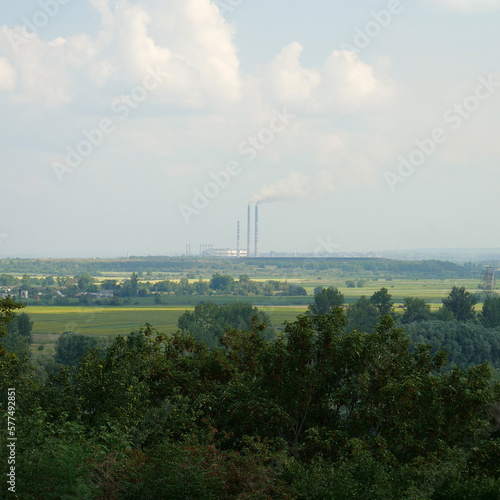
point(467, 343)
point(208, 322)
point(317, 413)
point(70, 347)
point(18, 334)
point(461, 303)
point(415, 310)
point(325, 301)
point(490, 315)
point(373, 266)
point(89, 291)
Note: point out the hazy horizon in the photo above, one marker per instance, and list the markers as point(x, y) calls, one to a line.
point(146, 125)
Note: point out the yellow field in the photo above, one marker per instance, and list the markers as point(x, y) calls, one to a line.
point(50, 322)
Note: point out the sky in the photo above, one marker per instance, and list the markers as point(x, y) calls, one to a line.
point(143, 125)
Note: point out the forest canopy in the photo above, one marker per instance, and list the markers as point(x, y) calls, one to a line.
point(318, 412)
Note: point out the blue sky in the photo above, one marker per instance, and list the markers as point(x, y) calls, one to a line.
point(145, 125)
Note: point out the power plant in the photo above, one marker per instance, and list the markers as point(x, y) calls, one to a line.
point(209, 250)
point(252, 249)
point(248, 232)
point(238, 241)
point(256, 253)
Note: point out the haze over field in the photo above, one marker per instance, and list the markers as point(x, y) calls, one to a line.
point(145, 125)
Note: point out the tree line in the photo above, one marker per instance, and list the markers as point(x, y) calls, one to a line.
point(197, 265)
point(87, 288)
point(468, 336)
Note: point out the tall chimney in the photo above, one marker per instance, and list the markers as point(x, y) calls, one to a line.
point(256, 230)
point(249, 229)
point(238, 241)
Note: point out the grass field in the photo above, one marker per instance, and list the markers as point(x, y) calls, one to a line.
point(430, 290)
point(102, 320)
point(50, 322)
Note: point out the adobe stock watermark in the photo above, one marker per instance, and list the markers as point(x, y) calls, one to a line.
point(226, 6)
point(93, 138)
point(326, 246)
point(49, 9)
point(454, 118)
point(3, 236)
point(87, 315)
point(249, 150)
point(374, 27)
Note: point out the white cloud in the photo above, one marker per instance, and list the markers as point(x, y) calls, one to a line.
point(100, 72)
point(296, 186)
point(470, 5)
point(288, 79)
point(139, 51)
point(344, 82)
point(7, 75)
point(45, 69)
point(107, 17)
point(189, 41)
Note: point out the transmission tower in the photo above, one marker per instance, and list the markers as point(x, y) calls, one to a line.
point(489, 279)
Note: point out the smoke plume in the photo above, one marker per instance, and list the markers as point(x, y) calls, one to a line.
point(295, 187)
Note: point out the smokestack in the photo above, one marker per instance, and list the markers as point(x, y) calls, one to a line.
point(248, 234)
point(256, 230)
point(238, 241)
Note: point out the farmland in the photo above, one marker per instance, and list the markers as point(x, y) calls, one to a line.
point(52, 321)
point(428, 280)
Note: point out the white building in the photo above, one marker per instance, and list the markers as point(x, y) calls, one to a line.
point(225, 252)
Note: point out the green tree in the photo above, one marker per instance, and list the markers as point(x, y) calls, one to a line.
point(25, 326)
point(26, 281)
point(382, 300)
point(114, 387)
point(461, 303)
point(296, 290)
point(222, 283)
point(130, 287)
point(443, 314)
point(86, 283)
point(209, 321)
point(362, 315)
point(490, 315)
point(134, 284)
point(467, 343)
point(18, 336)
point(62, 280)
point(416, 309)
point(49, 281)
point(22, 326)
point(109, 285)
point(8, 280)
point(317, 413)
point(15, 368)
point(185, 288)
point(326, 301)
point(71, 347)
point(201, 287)
point(318, 388)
